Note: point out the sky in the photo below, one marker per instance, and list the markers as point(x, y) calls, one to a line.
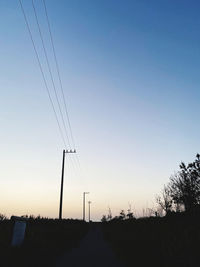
point(130, 74)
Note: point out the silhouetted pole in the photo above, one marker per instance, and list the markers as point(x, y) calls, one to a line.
point(62, 180)
point(89, 202)
point(84, 193)
point(61, 189)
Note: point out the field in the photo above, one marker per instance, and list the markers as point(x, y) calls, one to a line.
point(45, 241)
point(170, 241)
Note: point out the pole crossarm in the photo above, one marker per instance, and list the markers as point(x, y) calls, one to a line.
point(70, 151)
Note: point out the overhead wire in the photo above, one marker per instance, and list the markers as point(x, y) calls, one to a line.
point(61, 88)
point(52, 79)
point(50, 73)
point(58, 72)
point(42, 72)
point(60, 82)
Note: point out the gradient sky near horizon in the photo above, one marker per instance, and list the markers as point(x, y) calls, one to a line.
point(130, 72)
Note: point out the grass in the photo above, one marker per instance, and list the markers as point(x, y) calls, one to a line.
point(170, 241)
point(160, 242)
point(45, 241)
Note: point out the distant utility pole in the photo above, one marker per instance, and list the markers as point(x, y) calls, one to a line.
point(62, 179)
point(84, 193)
point(89, 203)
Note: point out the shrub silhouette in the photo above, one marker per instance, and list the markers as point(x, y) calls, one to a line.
point(184, 186)
point(165, 201)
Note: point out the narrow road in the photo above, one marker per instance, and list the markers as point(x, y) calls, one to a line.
point(93, 251)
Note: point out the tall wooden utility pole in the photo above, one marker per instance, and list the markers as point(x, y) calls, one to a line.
point(62, 179)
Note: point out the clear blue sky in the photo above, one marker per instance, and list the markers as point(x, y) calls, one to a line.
point(130, 71)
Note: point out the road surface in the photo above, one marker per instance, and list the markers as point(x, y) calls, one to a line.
point(93, 251)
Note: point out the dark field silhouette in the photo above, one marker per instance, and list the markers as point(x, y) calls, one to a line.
point(45, 240)
point(172, 241)
point(169, 241)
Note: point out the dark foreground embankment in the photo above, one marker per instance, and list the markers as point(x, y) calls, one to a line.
point(45, 241)
point(172, 241)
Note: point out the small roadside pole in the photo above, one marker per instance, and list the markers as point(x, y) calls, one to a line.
point(19, 230)
point(89, 203)
point(84, 193)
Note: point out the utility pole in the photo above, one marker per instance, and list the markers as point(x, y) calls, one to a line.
point(62, 179)
point(89, 203)
point(84, 193)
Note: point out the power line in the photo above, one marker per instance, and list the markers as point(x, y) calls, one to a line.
point(52, 80)
point(42, 72)
point(58, 72)
point(60, 81)
point(45, 81)
point(61, 88)
point(50, 72)
point(62, 91)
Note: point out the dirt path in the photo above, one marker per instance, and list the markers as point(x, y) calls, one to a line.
point(93, 251)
